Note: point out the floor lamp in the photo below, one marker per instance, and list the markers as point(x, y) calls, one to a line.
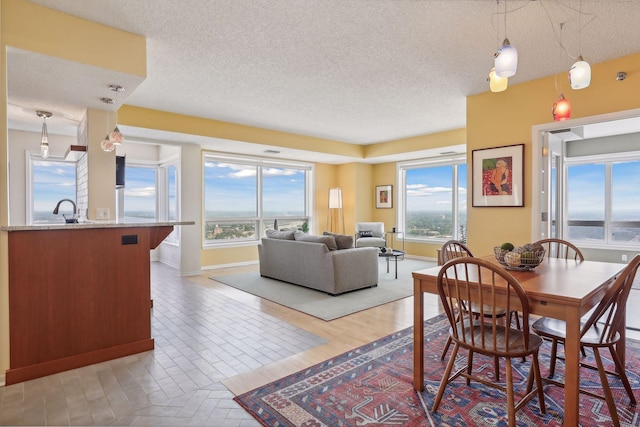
point(335, 216)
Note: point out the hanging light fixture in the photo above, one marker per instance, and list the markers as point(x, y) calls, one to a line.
point(496, 83)
point(116, 136)
point(506, 58)
point(107, 144)
point(561, 109)
point(44, 138)
point(580, 71)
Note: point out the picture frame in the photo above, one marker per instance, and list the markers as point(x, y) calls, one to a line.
point(384, 196)
point(498, 176)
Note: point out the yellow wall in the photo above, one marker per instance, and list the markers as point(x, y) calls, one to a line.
point(506, 118)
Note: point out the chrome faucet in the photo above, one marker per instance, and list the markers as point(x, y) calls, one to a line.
point(55, 211)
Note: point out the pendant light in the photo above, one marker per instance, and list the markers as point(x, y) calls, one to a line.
point(116, 136)
point(106, 144)
point(580, 71)
point(506, 58)
point(496, 83)
point(44, 138)
point(561, 109)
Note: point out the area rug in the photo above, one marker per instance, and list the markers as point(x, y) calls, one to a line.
point(324, 306)
point(373, 385)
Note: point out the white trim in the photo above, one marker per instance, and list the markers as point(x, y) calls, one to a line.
point(234, 264)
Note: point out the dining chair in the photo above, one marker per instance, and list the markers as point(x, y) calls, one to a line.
point(602, 329)
point(462, 281)
point(559, 248)
point(455, 249)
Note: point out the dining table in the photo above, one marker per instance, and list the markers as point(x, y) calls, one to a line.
point(563, 289)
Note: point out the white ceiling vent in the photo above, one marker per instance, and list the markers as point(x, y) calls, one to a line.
point(568, 134)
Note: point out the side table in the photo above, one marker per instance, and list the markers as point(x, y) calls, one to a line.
point(395, 254)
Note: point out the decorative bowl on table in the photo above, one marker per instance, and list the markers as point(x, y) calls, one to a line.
point(521, 258)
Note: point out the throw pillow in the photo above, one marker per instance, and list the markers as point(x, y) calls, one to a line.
point(329, 241)
point(342, 240)
point(284, 235)
point(366, 233)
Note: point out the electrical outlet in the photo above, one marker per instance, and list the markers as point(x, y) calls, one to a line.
point(624, 257)
point(102, 213)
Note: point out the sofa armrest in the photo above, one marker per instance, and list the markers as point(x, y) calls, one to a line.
point(355, 267)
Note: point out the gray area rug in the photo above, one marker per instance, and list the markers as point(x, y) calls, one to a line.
point(322, 305)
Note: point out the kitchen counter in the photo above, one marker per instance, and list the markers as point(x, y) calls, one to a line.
point(92, 224)
point(79, 294)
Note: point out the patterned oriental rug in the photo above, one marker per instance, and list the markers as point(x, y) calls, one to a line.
point(373, 385)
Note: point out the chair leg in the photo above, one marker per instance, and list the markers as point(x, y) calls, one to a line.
point(510, 399)
point(469, 365)
point(496, 367)
point(446, 348)
point(535, 366)
point(552, 360)
point(622, 374)
point(445, 378)
point(613, 412)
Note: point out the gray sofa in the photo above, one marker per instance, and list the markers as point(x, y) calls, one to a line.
point(313, 265)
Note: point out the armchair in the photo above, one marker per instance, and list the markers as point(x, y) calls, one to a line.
point(370, 234)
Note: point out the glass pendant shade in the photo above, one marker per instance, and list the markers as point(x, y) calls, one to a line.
point(580, 74)
point(44, 138)
point(107, 145)
point(561, 109)
point(44, 148)
point(496, 83)
point(116, 136)
point(506, 60)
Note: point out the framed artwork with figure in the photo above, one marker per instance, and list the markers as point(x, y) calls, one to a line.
point(384, 196)
point(498, 176)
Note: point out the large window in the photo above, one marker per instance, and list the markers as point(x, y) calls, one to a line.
point(433, 199)
point(51, 181)
point(603, 195)
point(140, 194)
point(244, 197)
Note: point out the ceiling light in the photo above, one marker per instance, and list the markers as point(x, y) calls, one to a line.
point(561, 109)
point(44, 138)
point(496, 83)
point(115, 136)
point(580, 74)
point(621, 76)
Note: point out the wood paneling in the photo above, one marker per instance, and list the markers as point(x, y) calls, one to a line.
point(78, 297)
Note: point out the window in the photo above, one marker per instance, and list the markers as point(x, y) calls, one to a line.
point(433, 199)
point(602, 199)
point(51, 181)
point(140, 195)
point(244, 197)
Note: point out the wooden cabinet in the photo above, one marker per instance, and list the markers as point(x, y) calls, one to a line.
point(78, 297)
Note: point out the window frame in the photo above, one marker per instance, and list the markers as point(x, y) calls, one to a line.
point(260, 219)
point(608, 223)
point(401, 167)
point(31, 157)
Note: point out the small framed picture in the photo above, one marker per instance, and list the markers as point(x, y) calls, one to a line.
point(384, 196)
point(498, 176)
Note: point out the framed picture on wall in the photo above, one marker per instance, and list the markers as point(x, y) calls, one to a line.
point(498, 176)
point(384, 196)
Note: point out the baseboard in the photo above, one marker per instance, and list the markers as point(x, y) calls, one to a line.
point(235, 264)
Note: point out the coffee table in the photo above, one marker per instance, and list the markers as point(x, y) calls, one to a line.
point(395, 254)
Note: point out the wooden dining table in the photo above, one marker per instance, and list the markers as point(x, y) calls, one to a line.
point(558, 288)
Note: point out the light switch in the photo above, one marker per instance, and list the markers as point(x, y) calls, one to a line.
point(102, 213)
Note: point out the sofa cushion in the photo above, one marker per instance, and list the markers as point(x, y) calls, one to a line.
point(284, 235)
point(330, 241)
point(342, 240)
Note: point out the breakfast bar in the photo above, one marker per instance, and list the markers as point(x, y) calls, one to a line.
point(79, 294)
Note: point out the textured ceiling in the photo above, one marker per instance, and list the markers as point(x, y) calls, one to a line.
point(358, 71)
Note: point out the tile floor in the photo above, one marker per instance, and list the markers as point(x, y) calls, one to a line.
point(201, 337)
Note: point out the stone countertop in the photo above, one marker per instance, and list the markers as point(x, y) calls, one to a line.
point(93, 224)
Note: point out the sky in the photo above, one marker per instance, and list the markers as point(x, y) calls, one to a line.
point(232, 188)
point(429, 189)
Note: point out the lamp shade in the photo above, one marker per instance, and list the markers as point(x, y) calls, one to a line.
point(506, 60)
point(496, 83)
point(335, 198)
point(580, 74)
point(561, 109)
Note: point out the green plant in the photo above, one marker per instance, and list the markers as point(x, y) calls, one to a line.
point(305, 227)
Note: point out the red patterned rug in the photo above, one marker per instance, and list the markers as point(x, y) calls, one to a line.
point(373, 385)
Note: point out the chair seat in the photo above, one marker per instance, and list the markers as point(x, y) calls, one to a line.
point(516, 339)
point(554, 328)
point(365, 242)
point(487, 310)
